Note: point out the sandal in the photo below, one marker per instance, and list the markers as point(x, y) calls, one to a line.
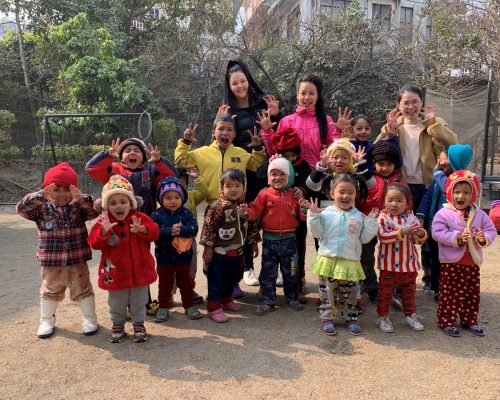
point(140, 334)
point(117, 333)
point(354, 328)
point(475, 329)
point(329, 329)
point(265, 309)
point(451, 331)
point(193, 313)
point(197, 298)
point(295, 305)
point(162, 315)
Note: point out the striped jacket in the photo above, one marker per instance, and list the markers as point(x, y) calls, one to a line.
point(397, 252)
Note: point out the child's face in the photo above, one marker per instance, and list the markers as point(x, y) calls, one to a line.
point(119, 206)
point(384, 168)
point(344, 195)
point(395, 202)
point(340, 161)
point(290, 156)
point(238, 84)
point(132, 156)
point(362, 130)
point(462, 194)
point(224, 134)
point(61, 195)
point(171, 200)
point(307, 95)
point(410, 105)
point(233, 190)
point(278, 179)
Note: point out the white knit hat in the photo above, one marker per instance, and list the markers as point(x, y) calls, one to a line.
point(118, 184)
point(282, 164)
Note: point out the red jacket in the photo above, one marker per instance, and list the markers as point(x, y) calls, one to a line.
point(128, 264)
point(375, 196)
point(279, 211)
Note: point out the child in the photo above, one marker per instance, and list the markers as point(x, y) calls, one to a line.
point(361, 128)
point(399, 231)
point(317, 130)
point(134, 166)
point(127, 267)
point(60, 211)
point(386, 158)
point(278, 211)
point(224, 234)
point(494, 214)
point(341, 230)
point(462, 230)
point(173, 248)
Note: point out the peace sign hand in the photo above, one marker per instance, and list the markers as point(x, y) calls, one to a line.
point(190, 132)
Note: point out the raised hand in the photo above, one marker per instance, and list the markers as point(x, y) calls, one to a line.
point(324, 160)
point(193, 171)
point(48, 192)
point(373, 213)
point(429, 112)
point(76, 195)
point(243, 210)
point(224, 109)
point(105, 223)
point(256, 139)
point(190, 132)
point(359, 155)
point(314, 206)
point(273, 105)
point(153, 152)
point(136, 225)
point(392, 121)
point(344, 120)
point(114, 150)
point(264, 120)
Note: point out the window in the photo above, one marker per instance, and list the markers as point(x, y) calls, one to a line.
point(406, 23)
point(334, 6)
point(154, 13)
point(381, 15)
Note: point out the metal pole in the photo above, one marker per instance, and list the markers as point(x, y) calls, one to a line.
point(486, 127)
point(44, 145)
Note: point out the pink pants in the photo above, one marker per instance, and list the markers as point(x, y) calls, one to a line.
point(76, 278)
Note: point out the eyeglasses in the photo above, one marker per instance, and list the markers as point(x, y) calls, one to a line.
point(414, 103)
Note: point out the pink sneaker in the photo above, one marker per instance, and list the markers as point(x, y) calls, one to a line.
point(232, 306)
point(218, 315)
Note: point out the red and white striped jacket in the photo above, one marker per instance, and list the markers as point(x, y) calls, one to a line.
point(397, 252)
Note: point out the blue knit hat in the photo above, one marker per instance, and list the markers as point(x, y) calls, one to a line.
point(460, 156)
point(171, 183)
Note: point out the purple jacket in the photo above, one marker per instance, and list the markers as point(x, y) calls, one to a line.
point(448, 223)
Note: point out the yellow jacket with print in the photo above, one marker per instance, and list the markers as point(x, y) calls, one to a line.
point(433, 138)
point(212, 162)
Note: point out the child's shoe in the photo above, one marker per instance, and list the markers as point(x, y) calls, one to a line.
point(218, 316)
point(295, 305)
point(117, 333)
point(451, 331)
point(232, 306)
point(152, 308)
point(397, 303)
point(140, 334)
point(427, 288)
point(279, 279)
point(301, 297)
point(47, 318)
point(162, 315)
point(197, 298)
point(250, 279)
point(329, 328)
point(237, 293)
point(385, 324)
point(354, 328)
point(264, 309)
point(475, 329)
point(87, 305)
point(193, 313)
point(414, 323)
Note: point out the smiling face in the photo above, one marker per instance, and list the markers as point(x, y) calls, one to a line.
point(171, 200)
point(62, 195)
point(233, 190)
point(119, 206)
point(132, 156)
point(340, 161)
point(277, 179)
point(344, 195)
point(410, 105)
point(307, 95)
point(224, 134)
point(362, 130)
point(462, 194)
point(238, 83)
point(384, 168)
point(395, 202)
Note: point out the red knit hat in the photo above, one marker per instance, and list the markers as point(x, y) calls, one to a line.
point(286, 139)
point(462, 175)
point(62, 174)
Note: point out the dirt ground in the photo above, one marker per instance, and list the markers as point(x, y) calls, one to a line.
point(281, 355)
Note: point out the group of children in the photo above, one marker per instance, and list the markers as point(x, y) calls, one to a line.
point(323, 178)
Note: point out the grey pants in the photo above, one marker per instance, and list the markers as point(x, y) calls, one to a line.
point(118, 300)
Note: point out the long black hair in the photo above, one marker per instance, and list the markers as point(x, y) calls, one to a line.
point(320, 104)
point(255, 93)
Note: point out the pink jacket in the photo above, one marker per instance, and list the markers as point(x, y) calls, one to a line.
point(448, 223)
point(306, 124)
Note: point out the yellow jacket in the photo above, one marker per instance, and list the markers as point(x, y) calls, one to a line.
point(197, 195)
point(433, 138)
point(212, 162)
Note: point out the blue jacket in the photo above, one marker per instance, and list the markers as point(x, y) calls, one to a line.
point(433, 199)
point(165, 252)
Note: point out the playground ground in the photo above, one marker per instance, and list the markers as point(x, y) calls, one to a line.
point(280, 355)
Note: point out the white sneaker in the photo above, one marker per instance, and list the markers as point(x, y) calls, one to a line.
point(385, 324)
point(414, 323)
point(279, 279)
point(249, 278)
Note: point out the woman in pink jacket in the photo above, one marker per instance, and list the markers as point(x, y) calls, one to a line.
point(462, 230)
